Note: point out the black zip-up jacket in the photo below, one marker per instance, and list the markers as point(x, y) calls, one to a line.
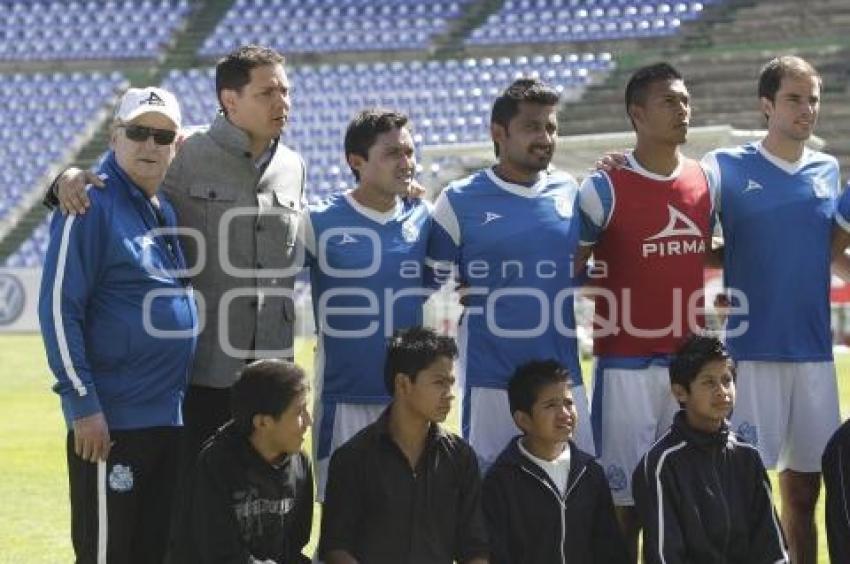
point(705, 498)
point(529, 522)
point(836, 479)
point(245, 510)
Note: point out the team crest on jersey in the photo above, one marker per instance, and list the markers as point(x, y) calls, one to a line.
point(821, 188)
point(564, 207)
point(748, 432)
point(616, 478)
point(409, 231)
point(121, 478)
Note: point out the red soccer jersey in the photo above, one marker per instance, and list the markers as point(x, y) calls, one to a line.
point(650, 259)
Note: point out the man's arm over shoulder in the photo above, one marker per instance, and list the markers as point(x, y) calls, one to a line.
point(656, 507)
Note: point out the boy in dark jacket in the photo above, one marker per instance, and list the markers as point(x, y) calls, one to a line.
point(253, 493)
point(545, 500)
point(702, 494)
point(836, 479)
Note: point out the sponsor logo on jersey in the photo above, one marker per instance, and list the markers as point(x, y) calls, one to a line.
point(346, 239)
point(409, 231)
point(821, 188)
point(753, 186)
point(680, 236)
point(490, 216)
point(121, 478)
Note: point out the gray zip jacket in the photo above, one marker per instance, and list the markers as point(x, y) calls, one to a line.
point(245, 221)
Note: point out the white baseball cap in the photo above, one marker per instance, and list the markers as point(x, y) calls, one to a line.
point(138, 101)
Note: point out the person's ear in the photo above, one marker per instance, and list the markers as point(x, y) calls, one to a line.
point(680, 393)
point(767, 107)
point(228, 100)
point(259, 421)
point(523, 420)
point(355, 161)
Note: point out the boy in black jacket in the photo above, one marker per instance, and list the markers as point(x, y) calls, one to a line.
point(703, 495)
point(836, 479)
point(253, 494)
point(545, 500)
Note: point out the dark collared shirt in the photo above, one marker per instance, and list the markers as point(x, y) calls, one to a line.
point(380, 510)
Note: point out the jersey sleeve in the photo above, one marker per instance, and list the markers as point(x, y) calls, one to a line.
point(71, 272)
point(444, 242)
point(842, 211)
point(596, 204)
point(711, 168)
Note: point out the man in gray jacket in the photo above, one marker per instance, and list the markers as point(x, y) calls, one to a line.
point(238, 192)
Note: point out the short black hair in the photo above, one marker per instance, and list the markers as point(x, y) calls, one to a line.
point(772, 73)
point(638, 86)
point(364, 129)
point(692, 355)
point(530, 90)
point(233, 71)
point(264, 387)
point(412, 350)
point(528, 379)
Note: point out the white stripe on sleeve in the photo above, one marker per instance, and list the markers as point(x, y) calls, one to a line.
point(445, 216)
point(59, 326)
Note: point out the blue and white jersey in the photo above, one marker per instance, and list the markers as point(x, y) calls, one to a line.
point(777, 219)
point(513, 247)
point(366, 273)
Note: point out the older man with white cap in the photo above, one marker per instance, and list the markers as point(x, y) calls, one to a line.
point(119, 324)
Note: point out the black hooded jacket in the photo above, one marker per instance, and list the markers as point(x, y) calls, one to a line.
point(705, 498)
point(246, 510)
point(529, 522)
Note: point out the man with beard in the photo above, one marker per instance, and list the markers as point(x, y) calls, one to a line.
point(509, 233)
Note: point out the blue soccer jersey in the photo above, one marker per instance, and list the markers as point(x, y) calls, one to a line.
point(513, 247)
point(777, 220)
point(366, 274)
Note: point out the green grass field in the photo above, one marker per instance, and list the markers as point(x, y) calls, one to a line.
point(34, 513)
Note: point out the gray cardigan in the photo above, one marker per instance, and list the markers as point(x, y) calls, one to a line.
point(251, 259)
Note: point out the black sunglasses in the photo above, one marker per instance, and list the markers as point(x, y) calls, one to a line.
point(140, 134)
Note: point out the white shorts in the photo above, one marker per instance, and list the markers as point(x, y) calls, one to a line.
point(788, 410)
point(333, 425)
point(632, 408)
point(491, 425)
